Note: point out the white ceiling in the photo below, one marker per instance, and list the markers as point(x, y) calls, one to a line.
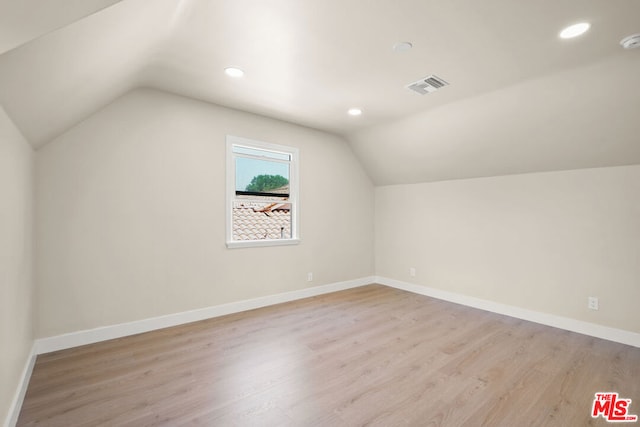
point(24, 20)
point(520, 99)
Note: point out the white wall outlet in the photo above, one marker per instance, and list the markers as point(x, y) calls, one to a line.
point(309, 277)
point(592, 303)
point(412, 271)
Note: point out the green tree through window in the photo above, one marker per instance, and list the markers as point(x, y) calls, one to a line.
point(264, 183)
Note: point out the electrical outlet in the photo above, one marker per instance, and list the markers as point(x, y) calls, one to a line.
point(309, 277)
point(412, 271)
point(592, 303)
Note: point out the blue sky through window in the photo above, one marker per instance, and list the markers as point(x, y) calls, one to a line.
point(247, 168)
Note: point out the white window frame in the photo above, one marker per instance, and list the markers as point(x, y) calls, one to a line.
point(231, 192)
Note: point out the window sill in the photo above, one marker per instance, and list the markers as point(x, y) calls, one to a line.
point(261, 243)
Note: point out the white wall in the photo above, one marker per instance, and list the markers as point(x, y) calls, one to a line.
point(131, 214)
point(541, 241)
point(16, 332)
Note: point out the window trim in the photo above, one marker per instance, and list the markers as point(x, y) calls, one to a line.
point(232, 140)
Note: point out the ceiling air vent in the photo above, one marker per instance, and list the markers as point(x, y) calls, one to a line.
point(427, 85)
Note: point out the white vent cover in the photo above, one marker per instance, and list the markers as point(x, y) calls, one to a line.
point(427, 85)
point(631, 42)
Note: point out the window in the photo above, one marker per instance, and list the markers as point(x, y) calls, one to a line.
point(262, 193)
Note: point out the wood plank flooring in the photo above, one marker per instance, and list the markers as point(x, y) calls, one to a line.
point(367, 356)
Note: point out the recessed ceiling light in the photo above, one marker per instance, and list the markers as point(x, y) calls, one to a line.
point(402, 47)
point(574, 30)
point(354, 111)
point(233, 72)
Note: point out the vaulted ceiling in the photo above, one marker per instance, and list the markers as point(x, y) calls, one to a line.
point(520, 98)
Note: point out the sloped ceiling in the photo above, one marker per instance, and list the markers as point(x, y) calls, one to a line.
point(24, 20)
point(520, 99)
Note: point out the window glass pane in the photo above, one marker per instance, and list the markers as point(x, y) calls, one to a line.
point(261, 176)
point(261, 153)
point(256, 220)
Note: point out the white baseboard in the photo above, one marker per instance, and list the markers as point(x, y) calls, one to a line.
point(60, 342)
point(90, 336)
point(74, 339)
point(585, 328)
point(21, 390)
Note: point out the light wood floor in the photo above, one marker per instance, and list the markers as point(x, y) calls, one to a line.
point(367, 356)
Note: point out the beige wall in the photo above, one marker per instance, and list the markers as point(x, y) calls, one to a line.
point(16, 332)
point(542, 241)
point(131, 215)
